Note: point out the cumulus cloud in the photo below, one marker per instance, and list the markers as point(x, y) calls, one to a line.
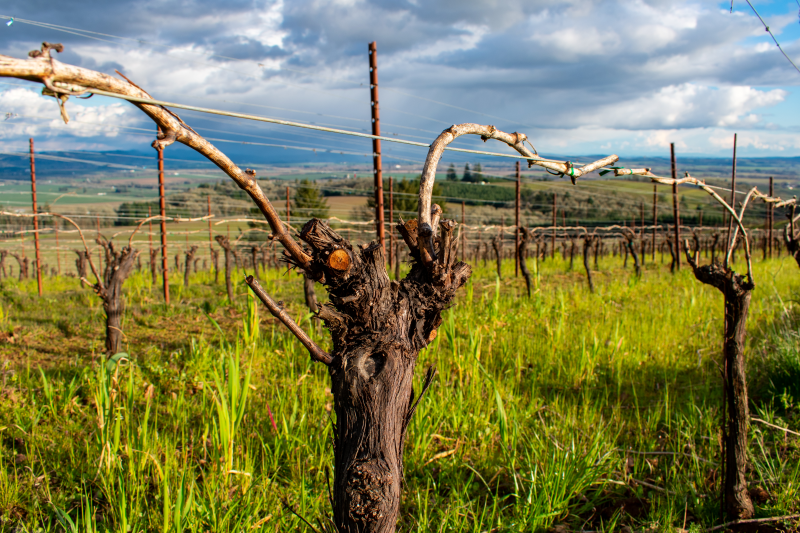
point(27, 113)
point(587, 73)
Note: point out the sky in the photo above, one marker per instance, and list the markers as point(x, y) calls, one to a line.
point(578, 77)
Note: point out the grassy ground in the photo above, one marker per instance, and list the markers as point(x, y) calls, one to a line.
point(545, 410)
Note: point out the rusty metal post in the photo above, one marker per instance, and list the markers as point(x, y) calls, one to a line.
point(150, 228)
point(163, 209)
point(58, 252)
point(733, 202)
point(655, 221)
point(555, 223)
point(463, 232)
point(517, 233)
point(642, 248)
point(770, 217)
point(288, 208)
point(35, 222)
point(99, 252)
point(210, 240)
point(376, 143)
point(391, 223)
point(675, 208)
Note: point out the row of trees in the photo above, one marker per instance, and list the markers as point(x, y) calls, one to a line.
point(474, 175)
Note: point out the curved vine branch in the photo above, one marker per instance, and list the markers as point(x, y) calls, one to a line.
point(426, 227)
point(69, 80)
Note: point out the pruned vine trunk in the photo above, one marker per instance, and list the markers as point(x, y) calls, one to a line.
point(81, 263)
point(119, 264)
point(572, 254)
point(378, 327)
point(498, 254)
point(226, 246)
point(672, 253)
point(188, 265)
point(737, 291)
point(792, 244)
point(23, 265)
point(522, 253)
point(254, 250)
point(153, 269)
point(629, 244)
point(215, 260)
point(588, 242)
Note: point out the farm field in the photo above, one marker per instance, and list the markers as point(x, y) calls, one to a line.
point(565, 411)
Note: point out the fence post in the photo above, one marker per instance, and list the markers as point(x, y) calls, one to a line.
point(463, 233)
point(733, 202)
point(641, 211)
point(675, 207)
point(58, 252)
point(391, 223)
point(35, 222)
point(99, 252)
point(655, 220)
point(288, 209)
point(376, 143)
point(770, 214)
point(163, 208)
point(555, 223)
point(210, 240)
point(516, 222)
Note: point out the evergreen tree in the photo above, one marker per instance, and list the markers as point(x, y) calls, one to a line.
point(309, 202)
point(477, 177)
point(451, 173)
point(467, 173)
point(406, 199)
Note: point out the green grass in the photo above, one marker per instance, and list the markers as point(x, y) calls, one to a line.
point(210, 422)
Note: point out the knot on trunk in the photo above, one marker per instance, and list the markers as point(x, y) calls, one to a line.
point(368, 484)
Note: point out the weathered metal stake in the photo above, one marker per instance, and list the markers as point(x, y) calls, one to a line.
point(675, 207)
point(35, 223)
point(376, 143)
point(163, 208)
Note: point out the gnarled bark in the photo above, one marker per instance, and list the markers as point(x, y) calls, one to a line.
point(737, 290)
point(119, 264)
